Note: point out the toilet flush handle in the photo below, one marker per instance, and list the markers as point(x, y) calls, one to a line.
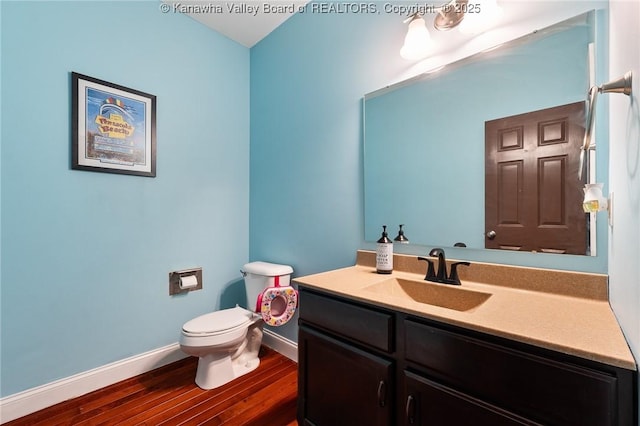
point(244, 274)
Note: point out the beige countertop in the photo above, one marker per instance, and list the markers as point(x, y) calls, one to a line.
point(564, 311)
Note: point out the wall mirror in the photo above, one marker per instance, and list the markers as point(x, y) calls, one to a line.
point(424, 138)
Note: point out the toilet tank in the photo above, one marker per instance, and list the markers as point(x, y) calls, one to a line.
point(260, 275)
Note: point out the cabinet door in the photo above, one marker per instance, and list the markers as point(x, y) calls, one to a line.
point(429, 403)
point(340, 384)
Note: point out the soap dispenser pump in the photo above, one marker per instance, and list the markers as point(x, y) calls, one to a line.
point(384, 253)
point(401, 238)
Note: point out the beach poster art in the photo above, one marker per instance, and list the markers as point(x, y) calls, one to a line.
point(115, 128)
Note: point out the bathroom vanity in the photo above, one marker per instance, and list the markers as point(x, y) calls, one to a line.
point(509, 346)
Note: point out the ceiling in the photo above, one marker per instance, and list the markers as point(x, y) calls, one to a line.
point(246, 22)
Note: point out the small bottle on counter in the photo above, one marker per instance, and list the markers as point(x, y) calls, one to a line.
point(384, 253)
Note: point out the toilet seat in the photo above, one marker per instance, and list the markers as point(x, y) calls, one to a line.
point(276, 304)
point(218, 322)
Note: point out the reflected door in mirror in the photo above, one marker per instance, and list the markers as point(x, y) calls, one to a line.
point(533, 198)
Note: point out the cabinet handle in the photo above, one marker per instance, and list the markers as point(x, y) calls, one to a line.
point(382, 393)
point(410, 409)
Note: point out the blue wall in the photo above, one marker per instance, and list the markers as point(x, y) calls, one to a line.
point(86, 256)
point(306, 152)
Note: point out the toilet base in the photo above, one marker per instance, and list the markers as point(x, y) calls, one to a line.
point(217, 369)
point(213, 373)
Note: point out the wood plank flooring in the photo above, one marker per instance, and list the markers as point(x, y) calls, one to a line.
point(168, 396)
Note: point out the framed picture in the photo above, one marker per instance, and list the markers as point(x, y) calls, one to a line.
point(114, 128)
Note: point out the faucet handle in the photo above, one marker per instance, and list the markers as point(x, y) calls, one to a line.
point(453, 277)
point(431, 272)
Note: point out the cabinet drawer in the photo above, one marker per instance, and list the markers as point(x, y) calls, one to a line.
point(429, 403)
point(356, 322)
point(549, 391)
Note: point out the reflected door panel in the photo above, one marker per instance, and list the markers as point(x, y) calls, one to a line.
point(533, 195)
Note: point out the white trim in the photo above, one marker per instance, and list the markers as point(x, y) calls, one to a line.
point(280, 344)
point(32, 400)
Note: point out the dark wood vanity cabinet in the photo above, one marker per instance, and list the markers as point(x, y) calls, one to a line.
point(345, 374)
point(363, 365)
point(543, 386)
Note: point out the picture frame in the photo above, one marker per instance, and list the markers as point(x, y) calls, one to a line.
point(113, 128)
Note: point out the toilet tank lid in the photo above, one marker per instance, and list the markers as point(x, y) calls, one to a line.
point(267, 269)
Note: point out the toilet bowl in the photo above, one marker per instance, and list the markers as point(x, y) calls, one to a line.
point(227, 342)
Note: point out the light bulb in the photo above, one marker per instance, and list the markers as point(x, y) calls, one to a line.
point(417, 42)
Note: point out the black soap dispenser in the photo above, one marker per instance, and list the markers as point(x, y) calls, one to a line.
point(401, 238)
point(384, 253)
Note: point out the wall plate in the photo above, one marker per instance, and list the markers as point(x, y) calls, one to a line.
point(174, 280)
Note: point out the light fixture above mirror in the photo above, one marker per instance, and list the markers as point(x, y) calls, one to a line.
point(450, 14)
point(472, 18)
point(417, 42)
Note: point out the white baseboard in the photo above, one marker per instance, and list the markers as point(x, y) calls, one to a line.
point(280, 344)
point(32, 400)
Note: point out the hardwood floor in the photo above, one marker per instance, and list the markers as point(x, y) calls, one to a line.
point(169, 396)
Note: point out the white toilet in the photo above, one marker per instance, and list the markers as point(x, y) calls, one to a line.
point(228, 341)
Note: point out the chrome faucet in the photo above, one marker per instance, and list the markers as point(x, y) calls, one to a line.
point(441, 275)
